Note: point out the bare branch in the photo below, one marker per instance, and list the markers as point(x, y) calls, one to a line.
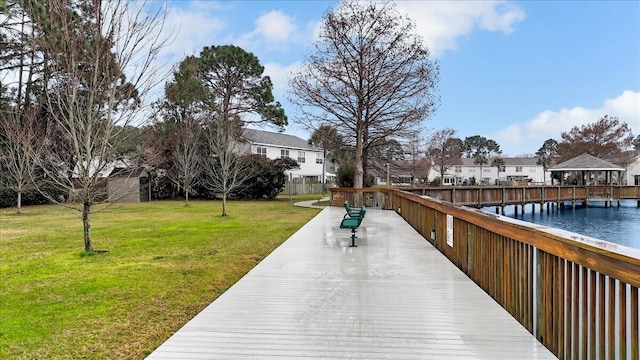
point(370, 77)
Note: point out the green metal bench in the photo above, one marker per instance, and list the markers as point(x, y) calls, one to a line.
point(352, 222)
point(352, 211)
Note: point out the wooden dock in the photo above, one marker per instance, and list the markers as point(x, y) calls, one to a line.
point(520, 196)
point(393, 297)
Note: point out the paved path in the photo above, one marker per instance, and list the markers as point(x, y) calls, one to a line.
point(309, 203)
point(392, 297)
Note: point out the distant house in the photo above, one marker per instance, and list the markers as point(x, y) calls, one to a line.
point(521, 169)
point(121, 182)
point(632, 172)
point(402, 172)
point(277, 145)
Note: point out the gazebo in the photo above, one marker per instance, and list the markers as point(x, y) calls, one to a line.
point(587, 170)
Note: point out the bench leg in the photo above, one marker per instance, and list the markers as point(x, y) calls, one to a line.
point(353, 238)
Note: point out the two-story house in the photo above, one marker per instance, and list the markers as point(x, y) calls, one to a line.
point(277, 145)
point(632, 172)
point(515, 169)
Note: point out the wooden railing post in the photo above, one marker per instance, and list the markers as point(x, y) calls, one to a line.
point(538, 295)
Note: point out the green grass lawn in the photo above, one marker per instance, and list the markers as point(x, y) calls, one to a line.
point(165, 263)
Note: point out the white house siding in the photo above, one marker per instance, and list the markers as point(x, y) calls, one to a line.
point(276, 143)
point(632, 173)
point(307, 168)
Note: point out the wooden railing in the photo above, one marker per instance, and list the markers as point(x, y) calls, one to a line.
point(577, 295)
point(370, 198)
point(481, 196)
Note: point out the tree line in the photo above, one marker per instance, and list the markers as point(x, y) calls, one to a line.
point(77, 77)
point(73, 102)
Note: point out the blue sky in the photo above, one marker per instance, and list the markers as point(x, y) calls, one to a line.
point(517, 72)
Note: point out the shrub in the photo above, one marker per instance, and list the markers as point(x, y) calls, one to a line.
point(346, 174)
point(9, 197)
point(267, 177)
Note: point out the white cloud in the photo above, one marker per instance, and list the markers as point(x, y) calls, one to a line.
point(441, 23)
point(529, 136)
point(280, 76)
point(275, 26)
point(191, 29)
point(272, 28)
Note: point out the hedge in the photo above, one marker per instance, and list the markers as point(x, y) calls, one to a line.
point(9, 197)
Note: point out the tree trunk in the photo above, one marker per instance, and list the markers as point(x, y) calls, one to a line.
point(358, 178)
point(186, 194)
point(224, 204)
point(86, 222)
point(19, 202)
point(324, 167)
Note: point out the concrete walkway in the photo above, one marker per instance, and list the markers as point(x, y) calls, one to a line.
point(392, 297)
point(309, 203)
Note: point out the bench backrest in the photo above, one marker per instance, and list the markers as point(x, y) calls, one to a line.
point(362, 212)
point(348, 207)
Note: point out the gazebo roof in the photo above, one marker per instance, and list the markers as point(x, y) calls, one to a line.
point(586, 162)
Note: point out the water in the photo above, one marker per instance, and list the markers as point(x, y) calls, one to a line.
point(617, 225)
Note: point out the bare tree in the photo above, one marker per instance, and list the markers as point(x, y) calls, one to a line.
point(187, 157)
point(224, 165)
point(370, 77)
point(445, 150)
point(328, 139)
point(20, 144)
point(102, 61)
point(184, 99)
point(416, 149)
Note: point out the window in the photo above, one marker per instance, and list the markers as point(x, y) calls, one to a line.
point(458, 169)
point(262, 151)
point(301, 157)
point(472, 170)
point(636, 179)
point(487, 170)
point(284, 153)
point(318, 158)
point(518, 168)
point(503, 168)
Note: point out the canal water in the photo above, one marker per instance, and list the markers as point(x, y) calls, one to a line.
point(618, 225)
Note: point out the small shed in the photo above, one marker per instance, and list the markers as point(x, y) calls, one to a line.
point(119, 181)
point(587, 169)
point(128, 185)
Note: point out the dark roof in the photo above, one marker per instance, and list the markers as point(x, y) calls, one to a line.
point(585, 162)
point(508, 161)
point(276, 139)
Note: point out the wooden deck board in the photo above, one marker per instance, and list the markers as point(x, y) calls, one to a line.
point(392, 297)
